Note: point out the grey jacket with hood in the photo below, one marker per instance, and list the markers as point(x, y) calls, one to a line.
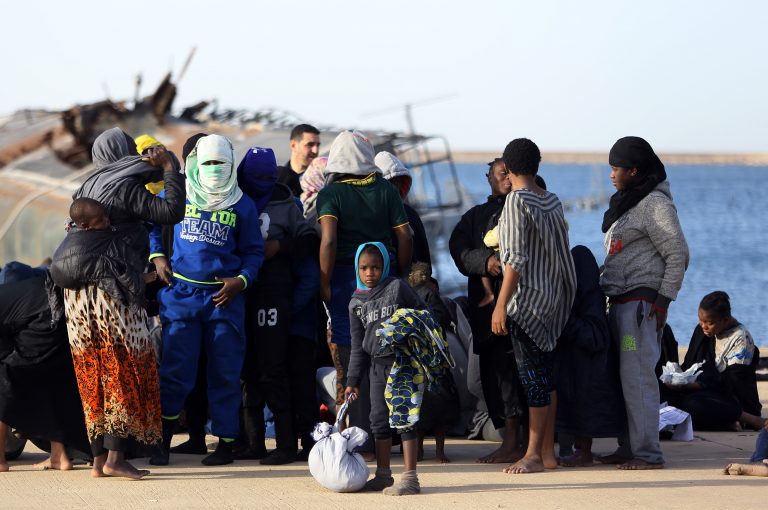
point(646, 248)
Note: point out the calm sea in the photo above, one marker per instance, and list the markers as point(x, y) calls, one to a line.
point(722, 210)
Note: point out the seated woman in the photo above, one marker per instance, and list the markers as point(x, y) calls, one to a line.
point(724, 397)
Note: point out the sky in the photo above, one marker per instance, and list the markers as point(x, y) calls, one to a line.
point(689, 76)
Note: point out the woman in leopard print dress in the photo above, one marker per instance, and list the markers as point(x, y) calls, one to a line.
point(112, 352)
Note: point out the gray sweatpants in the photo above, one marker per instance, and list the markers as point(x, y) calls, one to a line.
point(639, 351)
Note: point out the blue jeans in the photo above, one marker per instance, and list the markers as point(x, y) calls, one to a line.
point(343, 284)
point(761, 447)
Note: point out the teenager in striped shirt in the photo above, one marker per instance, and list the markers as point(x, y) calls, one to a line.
point(536, 294)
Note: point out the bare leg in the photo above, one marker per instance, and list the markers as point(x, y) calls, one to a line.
point(3, 438)
point(440, 446)
point(409, 482)
point(97, 470)
point(752, 421)
point(537, 432)
point(746, 469)
point(383, 477)
point(58, 459)
point(548, 447)
point(116, 465)
point(509, 451)
point(488, 292)
point(582, 457)
point(420, 455)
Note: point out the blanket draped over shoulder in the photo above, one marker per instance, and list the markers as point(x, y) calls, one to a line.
point(421, 356)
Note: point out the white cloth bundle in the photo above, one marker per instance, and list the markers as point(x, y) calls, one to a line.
point(333, 461)
point(671, 373)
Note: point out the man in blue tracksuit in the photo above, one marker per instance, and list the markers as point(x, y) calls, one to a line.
point(217, 252)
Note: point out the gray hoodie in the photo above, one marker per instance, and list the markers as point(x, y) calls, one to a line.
point(646, 248)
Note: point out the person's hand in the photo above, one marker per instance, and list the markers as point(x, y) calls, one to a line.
point(271, 248)
point(228, 292)
point(499, 321)
point(163, 269)
point(159, 158)
point(493, 266)
point(150, 276)
point(325, 292)
point(661, 317)
point(351, 393)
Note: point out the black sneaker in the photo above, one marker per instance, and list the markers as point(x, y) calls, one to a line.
point(303, 455)
point(278, 458)
point(251, 454)
point(221, 456)
point(191, 447)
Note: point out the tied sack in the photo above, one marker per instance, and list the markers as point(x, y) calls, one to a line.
point(333, 461)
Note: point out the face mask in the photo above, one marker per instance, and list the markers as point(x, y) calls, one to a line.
point(213, 178)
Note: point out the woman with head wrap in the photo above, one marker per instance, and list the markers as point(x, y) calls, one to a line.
point(647, 256)
point(217, 252)
point(112, 352)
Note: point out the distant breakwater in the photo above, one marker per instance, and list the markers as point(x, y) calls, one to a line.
point(600, 158)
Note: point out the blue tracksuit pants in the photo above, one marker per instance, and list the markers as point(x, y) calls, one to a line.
point(192, 322)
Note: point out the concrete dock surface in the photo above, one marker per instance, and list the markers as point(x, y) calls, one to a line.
point(692, 479)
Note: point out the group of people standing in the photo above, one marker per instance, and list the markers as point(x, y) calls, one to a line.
point(251, 261)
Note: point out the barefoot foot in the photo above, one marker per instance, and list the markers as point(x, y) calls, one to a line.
point(502, 455)
point(124, 469)
point(60, 464)
point(525, 465)
point(4, 466)
point(442, 459)
point(746, 469)
point(97, 471)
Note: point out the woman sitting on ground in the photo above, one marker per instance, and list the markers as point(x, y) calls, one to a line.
point(724, 396)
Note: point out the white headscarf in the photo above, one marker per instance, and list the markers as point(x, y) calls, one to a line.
point(212, 187)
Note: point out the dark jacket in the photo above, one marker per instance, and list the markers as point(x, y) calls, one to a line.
point(28, 334)
point(470, 255)
point(739, 381)
point(436, 306)
point(286, 176)
point(130, 206)
point(587, 361)
point(420, 240)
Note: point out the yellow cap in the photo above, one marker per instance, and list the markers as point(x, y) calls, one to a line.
point(144, 142)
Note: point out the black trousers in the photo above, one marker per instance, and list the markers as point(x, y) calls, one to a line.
point(502, 389)
point(265, 374)
point(301, 369)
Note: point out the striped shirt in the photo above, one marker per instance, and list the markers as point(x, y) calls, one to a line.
point(533, 239)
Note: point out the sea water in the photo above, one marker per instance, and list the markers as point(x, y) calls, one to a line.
point(722, 210)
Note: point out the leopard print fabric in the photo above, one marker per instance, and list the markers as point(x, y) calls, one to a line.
point(115, 366)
